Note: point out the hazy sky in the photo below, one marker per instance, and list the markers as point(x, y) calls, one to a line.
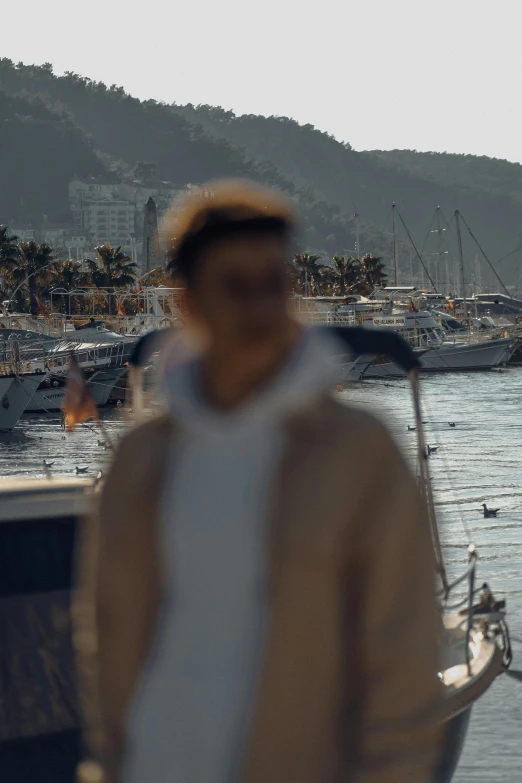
point(438, 75)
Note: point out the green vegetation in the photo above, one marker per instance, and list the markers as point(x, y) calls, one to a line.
point(34, 279)
point(31, 275)
point(53, 129)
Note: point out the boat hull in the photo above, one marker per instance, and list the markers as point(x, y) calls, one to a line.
point(15, 394)
point(449, 357)
point(51, 398)
point(454, 736)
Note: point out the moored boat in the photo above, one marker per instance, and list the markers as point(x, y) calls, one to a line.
point(435, 352)
point(16, 392)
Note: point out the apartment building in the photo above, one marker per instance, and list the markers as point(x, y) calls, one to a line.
point(24, 234)
point(65, 235)
point(109, 221)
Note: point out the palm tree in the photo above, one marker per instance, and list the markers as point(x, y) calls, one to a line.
point(70, 276)
point(9, 252)
point(328, 282)
point(349, 274)
point(372, 272)
point(31, 271)
point(9, 255)
point(308, 273)
point(113, 269)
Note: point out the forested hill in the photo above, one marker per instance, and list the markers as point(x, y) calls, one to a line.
point(40, 151)
point(479, 174)
point(122, 131)
point(488, 192)
point(56, 128)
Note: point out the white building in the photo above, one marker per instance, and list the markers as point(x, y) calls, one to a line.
point(109, 221)
point(65, 235)
point(23, 234)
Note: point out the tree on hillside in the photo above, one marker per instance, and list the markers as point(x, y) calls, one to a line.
point(145, 171)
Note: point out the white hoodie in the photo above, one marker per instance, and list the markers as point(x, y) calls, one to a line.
point(191, 713)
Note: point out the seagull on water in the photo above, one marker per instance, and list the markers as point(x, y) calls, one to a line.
point(48, 463)
point(430, 450)
point(411, 429)
point(82, 470)
point(489, 512)
point(451, 423)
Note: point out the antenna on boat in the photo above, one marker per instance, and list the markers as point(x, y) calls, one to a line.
point(356, 219)
point(395, 261)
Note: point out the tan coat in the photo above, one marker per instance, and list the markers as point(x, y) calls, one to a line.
point(348, 688)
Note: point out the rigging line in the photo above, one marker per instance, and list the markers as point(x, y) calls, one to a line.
point(508, 254)
point(472, 235)
point(448, 223)
point(458, 509)
point(383, 230)
point(428, 234)
point(417, 252)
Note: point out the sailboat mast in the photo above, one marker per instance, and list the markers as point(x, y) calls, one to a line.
point(395, 262)
point(461, 260)
point(439, 245)
point(356, 218)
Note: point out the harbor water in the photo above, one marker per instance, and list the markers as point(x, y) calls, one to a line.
point(479, 460)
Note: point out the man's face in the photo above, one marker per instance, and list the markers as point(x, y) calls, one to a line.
point(240, 292)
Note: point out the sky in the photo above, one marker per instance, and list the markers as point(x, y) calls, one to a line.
point(407, 74)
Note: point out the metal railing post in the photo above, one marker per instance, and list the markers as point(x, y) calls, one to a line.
point(473, 559)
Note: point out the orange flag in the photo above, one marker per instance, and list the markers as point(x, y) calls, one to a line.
point(119, 306)
point(78, 403)
point(41, 307)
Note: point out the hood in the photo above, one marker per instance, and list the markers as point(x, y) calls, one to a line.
point(308, 372)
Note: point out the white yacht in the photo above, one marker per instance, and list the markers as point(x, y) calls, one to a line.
point(436, 351)
point(104, 364)
point(16, 391)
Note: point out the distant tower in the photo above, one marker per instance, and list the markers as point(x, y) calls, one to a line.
point(151, 249)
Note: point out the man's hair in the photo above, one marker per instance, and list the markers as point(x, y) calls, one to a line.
point(223, 209)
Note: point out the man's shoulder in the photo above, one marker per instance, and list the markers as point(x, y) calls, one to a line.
point(151, 429)
point(143, 444)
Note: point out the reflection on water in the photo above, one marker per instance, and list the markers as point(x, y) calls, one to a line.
point(480, 460)
point(40, 437)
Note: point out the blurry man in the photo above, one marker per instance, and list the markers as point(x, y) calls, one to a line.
point(262, 573)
